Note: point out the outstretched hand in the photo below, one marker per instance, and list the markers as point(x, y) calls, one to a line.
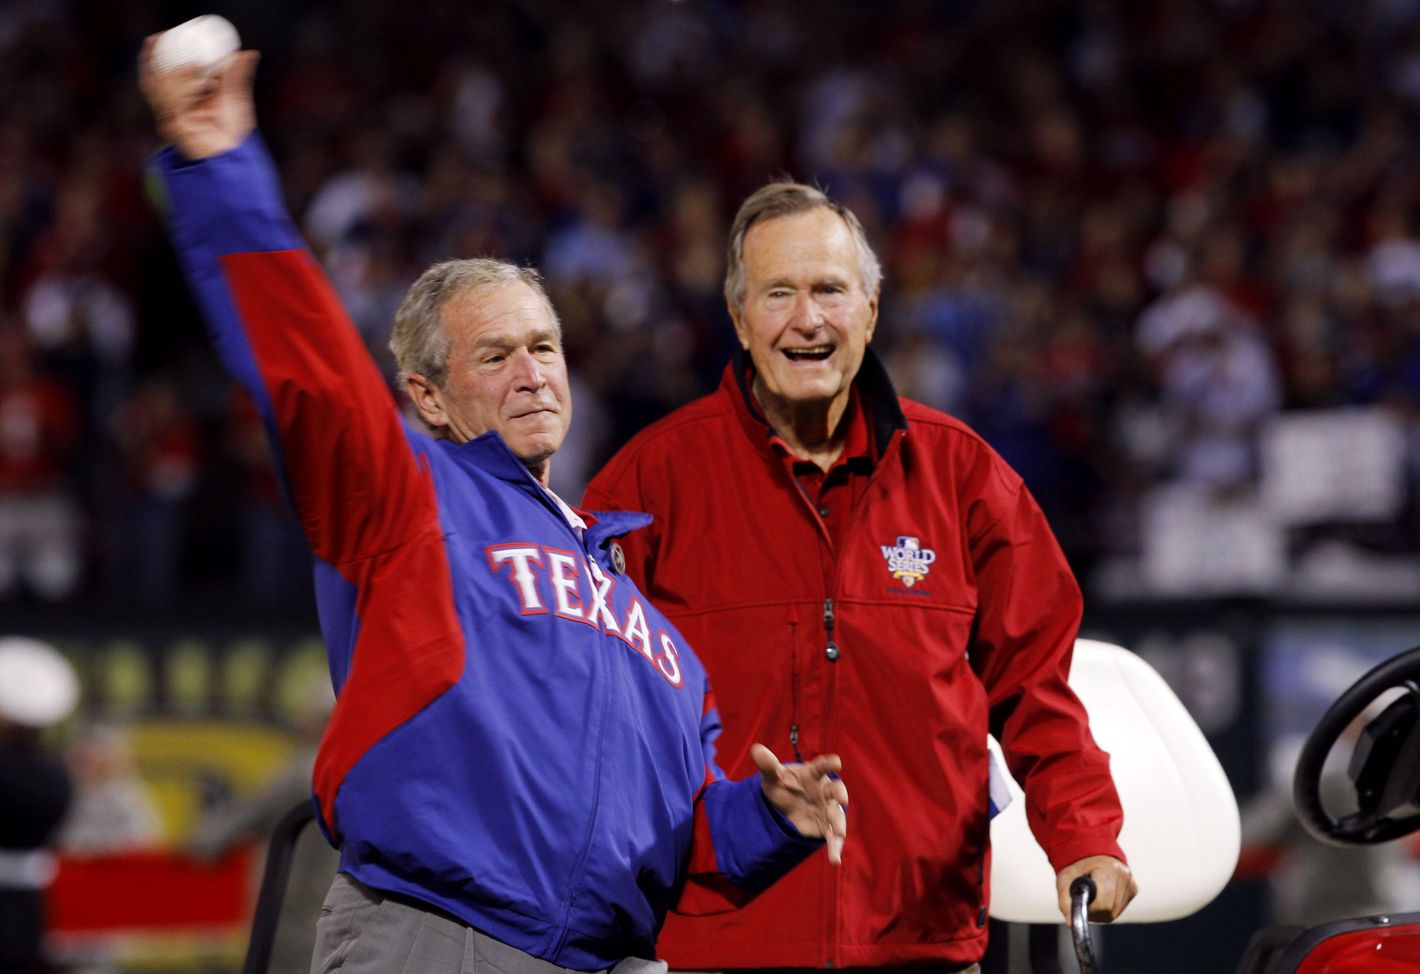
point(809, 794)
point(203, 115)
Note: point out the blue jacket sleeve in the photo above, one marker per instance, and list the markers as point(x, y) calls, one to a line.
point(228, 204)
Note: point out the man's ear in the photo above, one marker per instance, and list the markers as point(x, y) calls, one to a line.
point(873, 314)
point(427, 399)
point(741, 330)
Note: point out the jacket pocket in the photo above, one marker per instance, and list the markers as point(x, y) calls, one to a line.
point(794, 712)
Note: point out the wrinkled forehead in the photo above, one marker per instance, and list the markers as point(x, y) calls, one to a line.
point(509, 312)
point(816, 242)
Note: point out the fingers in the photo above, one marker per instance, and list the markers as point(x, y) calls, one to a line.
point(1062, 893)
point(202, 113)
point(833, 801)
point(795, 776)
point(1114, 887)
point(238, 74)
point(170, 93)
point(828, 796)
point(145, 57)
point(810, 794)
point(832, 789)
point(835, 834)
point(824, 796)
point(1101, 909)
point(766, 761)
point(775, 774)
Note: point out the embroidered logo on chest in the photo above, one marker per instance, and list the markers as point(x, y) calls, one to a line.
point(907, 560)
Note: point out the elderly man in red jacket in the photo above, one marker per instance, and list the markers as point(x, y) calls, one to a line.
point(863, 574)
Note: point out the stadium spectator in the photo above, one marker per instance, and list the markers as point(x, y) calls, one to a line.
point(1096, 155)
point(38, 688)
point(158, 454)
point(40, 520)
point(113, 809)
point(275, 562)
point(252, 818)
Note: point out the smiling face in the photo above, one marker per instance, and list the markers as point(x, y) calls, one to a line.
point(806, 318)
point(505, 373)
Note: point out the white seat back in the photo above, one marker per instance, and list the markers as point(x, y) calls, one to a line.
point(1181, 831)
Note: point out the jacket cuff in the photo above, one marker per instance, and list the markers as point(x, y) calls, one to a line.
point(227, 203)
point(1072, 850)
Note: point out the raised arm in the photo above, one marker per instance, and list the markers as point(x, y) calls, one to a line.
point(274, 318)
point(363, 494)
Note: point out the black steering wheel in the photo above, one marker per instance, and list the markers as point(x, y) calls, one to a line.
point(1384, 767)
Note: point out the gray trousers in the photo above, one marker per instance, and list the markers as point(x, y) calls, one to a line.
point(361, 931)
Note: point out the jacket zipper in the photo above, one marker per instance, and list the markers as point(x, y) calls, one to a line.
point(831, 652)
point(574, 882)
point(832, 889)
point(813, 510)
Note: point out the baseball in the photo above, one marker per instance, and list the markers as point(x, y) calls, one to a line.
point(206, 41)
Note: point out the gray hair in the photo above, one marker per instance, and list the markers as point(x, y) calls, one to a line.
point(419, 342)
point(785, 198)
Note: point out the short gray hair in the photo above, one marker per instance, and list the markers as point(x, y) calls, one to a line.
point(785, 198)
point(419, 342)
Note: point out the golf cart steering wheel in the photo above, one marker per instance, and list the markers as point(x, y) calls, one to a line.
point(1384, 767)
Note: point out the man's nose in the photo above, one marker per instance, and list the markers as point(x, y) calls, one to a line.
point(527, 371)
point(808, 316)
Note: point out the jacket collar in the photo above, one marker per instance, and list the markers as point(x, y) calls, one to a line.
point(613, 524)
point(491, 453)
point(874, 389)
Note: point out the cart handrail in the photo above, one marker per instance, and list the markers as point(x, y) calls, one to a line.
point(1082, 894)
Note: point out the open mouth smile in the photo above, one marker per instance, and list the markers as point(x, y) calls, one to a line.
point(816, 354)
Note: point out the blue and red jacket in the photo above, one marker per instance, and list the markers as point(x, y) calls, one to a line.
point(520, 738)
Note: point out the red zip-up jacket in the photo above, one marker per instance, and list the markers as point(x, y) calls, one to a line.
point(950, 611)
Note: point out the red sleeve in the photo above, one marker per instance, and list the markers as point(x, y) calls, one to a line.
point(351, 473)
point(361, 496)
point(1028, 615)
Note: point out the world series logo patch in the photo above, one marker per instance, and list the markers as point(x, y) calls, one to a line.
point(907, 560)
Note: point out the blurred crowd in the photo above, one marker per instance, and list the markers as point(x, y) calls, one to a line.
point(1119, 239)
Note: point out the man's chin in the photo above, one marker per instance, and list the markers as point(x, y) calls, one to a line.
point(808, 393)
point(536, 451)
